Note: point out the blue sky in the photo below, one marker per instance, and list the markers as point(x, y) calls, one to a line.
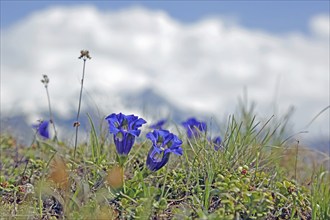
point(272, 16)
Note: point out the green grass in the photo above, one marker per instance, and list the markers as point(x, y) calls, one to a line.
point(258, 175)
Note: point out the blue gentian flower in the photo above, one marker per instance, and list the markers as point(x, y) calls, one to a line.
point(42, 129)
point(125, 128)
point(163, 143)
point(158, 124)
point(217, 143)
point(194, 128)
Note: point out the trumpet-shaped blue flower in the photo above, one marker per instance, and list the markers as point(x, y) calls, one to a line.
point(194, 128)
point(42, 129)
point(217, 143)
point(163, 143)
point(125, 128)
point(158, 124)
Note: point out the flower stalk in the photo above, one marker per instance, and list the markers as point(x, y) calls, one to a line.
point(45, 81)
point(84, 54)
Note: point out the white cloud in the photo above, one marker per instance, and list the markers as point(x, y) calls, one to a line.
point(202, 66)
point(320, 25)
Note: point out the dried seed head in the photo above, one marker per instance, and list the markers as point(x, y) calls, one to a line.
point(84, 54)
point(45, 80)
point(76, 124)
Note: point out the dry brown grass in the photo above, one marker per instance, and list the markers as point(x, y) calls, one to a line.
point(115, 177)
point(59, 174)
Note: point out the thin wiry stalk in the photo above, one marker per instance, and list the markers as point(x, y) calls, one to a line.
point(79, 105)
point(296, 160)
point(51, 115)
point(84, 55)
point(45, 81)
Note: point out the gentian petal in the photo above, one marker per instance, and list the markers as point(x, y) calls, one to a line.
point(151, 136)
point(158, 125)
point(155, 161)
point(163, 143)
point(42, 129)
point(125, 129)
point(124, 143)
point(217, 143)
point(193, 127)
point(113, 123)
point(138, 123)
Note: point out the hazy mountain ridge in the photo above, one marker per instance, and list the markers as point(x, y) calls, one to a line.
point(147, 104)
point(152, 105)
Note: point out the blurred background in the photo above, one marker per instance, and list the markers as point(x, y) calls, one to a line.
point(166, 59)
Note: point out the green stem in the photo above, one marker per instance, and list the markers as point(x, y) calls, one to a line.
point(208, 183)
point(164, 184)
point(76, 124)
point(51, 114)
point(257, 166)
point(144, 173)
point(295, 164)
